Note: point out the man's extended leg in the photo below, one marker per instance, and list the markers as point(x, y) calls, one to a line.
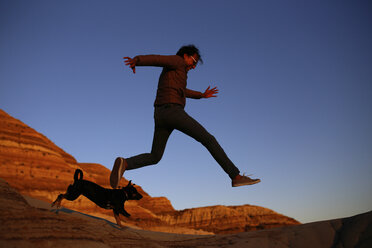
point(181, 121)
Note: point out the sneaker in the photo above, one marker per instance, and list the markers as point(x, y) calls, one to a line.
point(243, 180)
point(117, 172)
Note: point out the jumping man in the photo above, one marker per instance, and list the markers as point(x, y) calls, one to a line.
point(170, 114)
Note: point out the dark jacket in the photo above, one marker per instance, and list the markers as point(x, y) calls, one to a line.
point(172, 81)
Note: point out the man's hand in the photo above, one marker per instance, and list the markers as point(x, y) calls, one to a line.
point(210, 92)
point(131, 62)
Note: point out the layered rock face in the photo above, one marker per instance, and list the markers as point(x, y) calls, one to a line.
point(35, 166)
point(228, 219)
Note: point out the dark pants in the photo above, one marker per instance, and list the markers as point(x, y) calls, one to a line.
point(172, 116)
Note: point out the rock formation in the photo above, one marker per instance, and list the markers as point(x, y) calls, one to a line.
point(227, 219)
point(23, 225)
point(36, 167)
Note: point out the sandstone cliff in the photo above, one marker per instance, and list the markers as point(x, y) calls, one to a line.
point(35, 166)
point(227, 219)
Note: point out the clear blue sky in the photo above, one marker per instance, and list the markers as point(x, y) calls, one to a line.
point(294, 109)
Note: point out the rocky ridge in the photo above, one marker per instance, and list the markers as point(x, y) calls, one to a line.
point(235, 219)
point(36, 167)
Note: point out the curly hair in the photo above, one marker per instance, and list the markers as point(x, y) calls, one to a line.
point(189, 50)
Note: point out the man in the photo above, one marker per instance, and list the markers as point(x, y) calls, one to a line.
point(170, 114)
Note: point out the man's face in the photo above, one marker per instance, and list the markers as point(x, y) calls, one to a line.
point(191, 61)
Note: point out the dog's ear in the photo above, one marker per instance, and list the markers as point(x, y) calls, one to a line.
point(130, 182)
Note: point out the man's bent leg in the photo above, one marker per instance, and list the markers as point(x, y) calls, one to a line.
point(159, 142)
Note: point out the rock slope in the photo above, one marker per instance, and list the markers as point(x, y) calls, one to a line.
point(23, 225)
point(36, 167)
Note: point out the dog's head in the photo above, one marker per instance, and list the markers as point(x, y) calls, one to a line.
point(132, 192)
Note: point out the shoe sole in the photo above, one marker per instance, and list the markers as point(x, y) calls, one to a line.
point(246, 183)
point(115, 173)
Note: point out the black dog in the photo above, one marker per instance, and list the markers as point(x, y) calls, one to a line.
point(105, 198)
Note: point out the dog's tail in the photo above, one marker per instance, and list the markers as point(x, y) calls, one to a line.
point(76, 175)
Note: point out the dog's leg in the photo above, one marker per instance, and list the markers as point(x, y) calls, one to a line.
point(123, 212)
point(57, 202)
point(71, 194)
point(117, 218)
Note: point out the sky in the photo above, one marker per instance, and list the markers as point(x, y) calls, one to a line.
point(294, 107)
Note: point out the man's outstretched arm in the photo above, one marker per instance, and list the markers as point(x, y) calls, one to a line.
point(169, 61)
point(207, 93)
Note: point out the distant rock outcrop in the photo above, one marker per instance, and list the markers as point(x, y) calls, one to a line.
point(228, 219)
point(36, 167)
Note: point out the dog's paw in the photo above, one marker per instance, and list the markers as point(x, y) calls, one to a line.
point(56, 203)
